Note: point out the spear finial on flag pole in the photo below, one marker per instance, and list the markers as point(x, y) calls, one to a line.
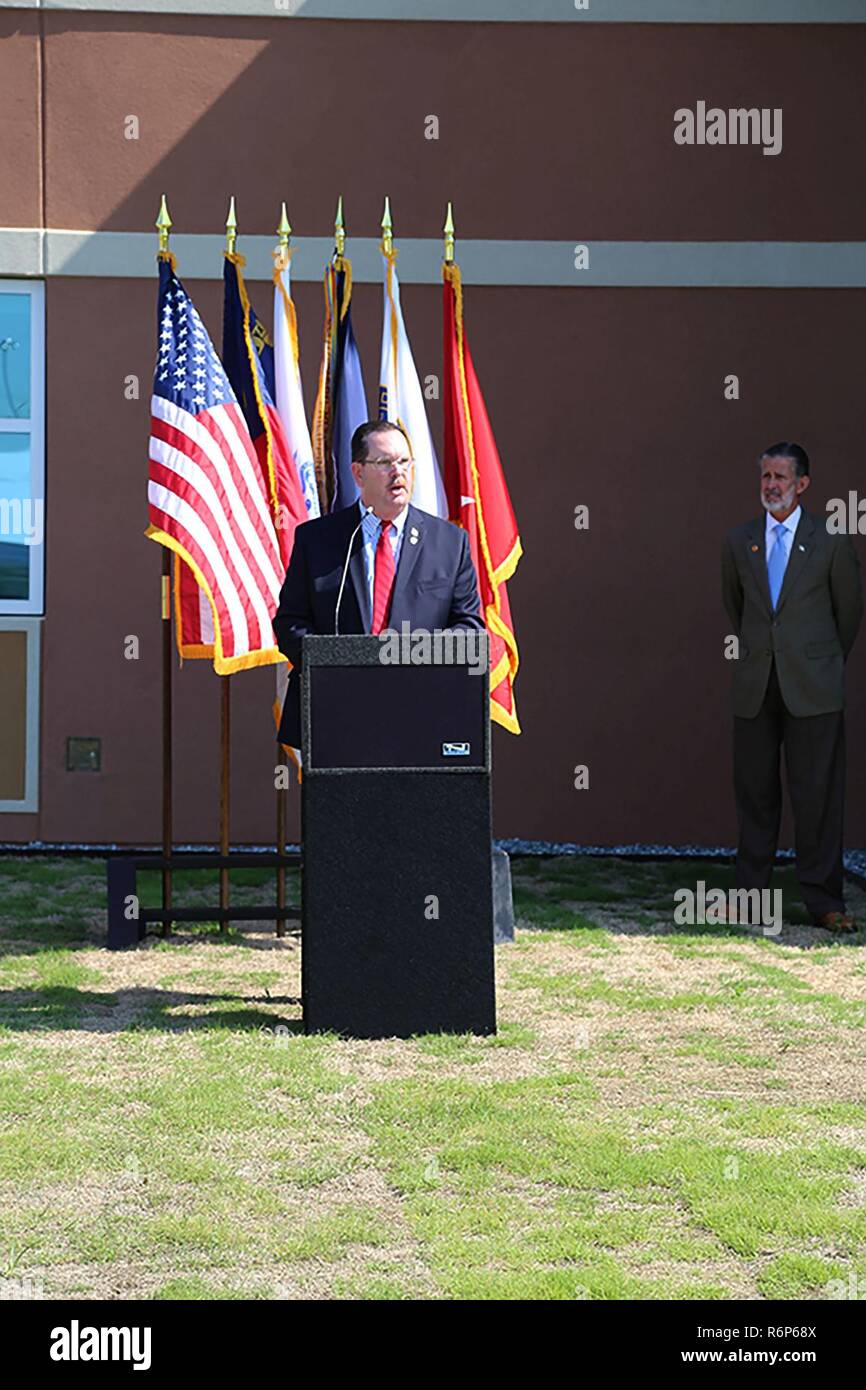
point(448, 229)
point(284, 230)
point(231, 227)
point(387, 229)
point(163, 224)
point(340, 228)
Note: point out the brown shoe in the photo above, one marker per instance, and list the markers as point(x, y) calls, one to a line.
point(836, 922)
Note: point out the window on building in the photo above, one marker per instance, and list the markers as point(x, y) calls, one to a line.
point(22, 447)
point(19, 714)
point(22, 527)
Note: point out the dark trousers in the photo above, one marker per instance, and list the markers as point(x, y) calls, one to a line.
point(815, 766)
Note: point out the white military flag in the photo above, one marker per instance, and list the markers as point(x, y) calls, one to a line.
point(401, 399)
point(287, 375)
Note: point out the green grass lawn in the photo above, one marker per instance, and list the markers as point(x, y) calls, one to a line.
point(665, 1113)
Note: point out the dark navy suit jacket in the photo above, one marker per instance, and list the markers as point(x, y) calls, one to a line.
point(435, 587)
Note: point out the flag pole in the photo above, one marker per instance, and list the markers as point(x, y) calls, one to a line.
point(167, 832)
point(337, 262)
point(225, 690)
point(163, 225)
point(284, 233)
point(225, 774)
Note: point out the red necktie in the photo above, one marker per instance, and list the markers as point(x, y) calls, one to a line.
point(383, 579)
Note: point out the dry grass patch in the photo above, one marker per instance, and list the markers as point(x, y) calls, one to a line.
point(168, 1131)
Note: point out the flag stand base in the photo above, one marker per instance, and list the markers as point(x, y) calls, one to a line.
point(128, 920)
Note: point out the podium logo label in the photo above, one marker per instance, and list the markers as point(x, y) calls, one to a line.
point(456, 750)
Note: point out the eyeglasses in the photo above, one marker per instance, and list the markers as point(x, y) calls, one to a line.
point(403, 464)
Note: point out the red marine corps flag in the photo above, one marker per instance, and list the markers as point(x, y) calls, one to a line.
point(478, 500)
point(207, 496)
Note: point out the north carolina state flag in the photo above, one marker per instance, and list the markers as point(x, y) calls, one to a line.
point(478, 501)
point(243, 337)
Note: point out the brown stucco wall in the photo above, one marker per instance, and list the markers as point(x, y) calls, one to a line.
point(19, 120)
point(550, 131)
point(609, 397)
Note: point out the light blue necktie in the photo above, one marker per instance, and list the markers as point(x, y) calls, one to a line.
point(776, 564)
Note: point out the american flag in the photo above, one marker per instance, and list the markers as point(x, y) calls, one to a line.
point(207, 496)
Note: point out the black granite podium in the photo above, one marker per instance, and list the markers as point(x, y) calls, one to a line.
point(396, 894)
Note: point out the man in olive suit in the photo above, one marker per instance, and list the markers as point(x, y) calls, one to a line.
point(792, 592)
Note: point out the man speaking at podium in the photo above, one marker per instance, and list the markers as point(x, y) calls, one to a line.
point(374, 565)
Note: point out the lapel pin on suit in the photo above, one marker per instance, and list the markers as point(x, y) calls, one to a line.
point(754, 547)
point(803, 548)
point(413, 535)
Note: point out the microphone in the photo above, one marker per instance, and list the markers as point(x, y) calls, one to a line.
point(365, 512)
